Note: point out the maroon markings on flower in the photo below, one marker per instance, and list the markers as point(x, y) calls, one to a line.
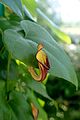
point(43, 64)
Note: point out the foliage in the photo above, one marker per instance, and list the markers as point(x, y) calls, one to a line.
point(19, 37)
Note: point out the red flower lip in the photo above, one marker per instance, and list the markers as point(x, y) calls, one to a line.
point(43, 64)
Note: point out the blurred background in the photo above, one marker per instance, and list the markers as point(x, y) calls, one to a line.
point(64, 15)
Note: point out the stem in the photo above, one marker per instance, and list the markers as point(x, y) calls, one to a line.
point(8, 68)
point(1, 50)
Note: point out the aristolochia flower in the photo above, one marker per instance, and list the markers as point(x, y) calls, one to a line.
point(35, 111)
point(43, 64)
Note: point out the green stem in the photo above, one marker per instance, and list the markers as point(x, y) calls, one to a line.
point(8, 68)
point(2, 49)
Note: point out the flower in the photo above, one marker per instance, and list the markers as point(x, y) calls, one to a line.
point(43, 64)
point(35, 111)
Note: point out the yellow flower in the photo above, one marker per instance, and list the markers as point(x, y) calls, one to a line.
point(43, 64)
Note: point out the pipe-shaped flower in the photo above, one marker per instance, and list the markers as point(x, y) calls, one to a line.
point(35, 111)
point(43, 64)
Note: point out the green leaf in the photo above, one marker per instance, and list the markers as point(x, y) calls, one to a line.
point(34, 85)
point(9, 24)
point(12, 76)
point(20, 106)
point(37, 87)
point(16, 108)
point(4, 24)
point(27, 13)
point(42, 114)
point(25, 48)
point(30, 5)
point(15, 5)
point(56, 30)
point(6, 112)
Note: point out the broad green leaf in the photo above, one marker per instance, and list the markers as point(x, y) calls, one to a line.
point(9, 24)
point(17, 100)
point(32, 84)
point(27, 13)
point(30, 5)
point(21, 48)
point(20, 106)
point(24, 48)
point(36, 86)
point(42, 114)
point(4, 24)
point(6, 112)
point(56, 30)
point(15, 5)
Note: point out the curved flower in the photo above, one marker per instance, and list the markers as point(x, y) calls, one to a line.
point(43, 64)
point(35, 111)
